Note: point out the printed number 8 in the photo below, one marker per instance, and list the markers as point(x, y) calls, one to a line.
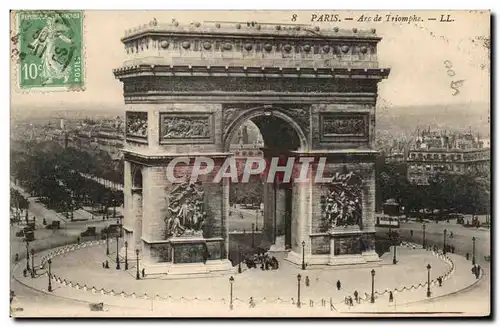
point(294, 17)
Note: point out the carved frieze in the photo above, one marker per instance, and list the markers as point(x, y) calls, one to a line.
point(136, 124)
point(338, 127)
point(184, 84)
point(341, 202)
point(186, 127)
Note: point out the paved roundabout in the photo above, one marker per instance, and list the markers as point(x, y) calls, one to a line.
point(78, 274)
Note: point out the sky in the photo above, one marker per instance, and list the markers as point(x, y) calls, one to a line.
point(415, 53)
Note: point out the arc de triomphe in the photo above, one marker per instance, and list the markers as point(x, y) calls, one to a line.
point(312, 92)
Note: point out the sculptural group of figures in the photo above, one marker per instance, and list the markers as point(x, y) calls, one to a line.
point(186, 213)
point(342, 207)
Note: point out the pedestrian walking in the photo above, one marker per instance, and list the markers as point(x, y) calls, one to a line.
point(25, 272)
point(106, 264)
point(391, 297)
point(143, 272)
point(356, 296)
point(338, 285)
point(411, 232)
point(440, 281)
point(467, 256)
point(78, 240)
point(351, 303)
point(16, 258)
point(307, 281)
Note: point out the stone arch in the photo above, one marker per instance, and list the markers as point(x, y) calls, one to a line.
point(260, 111)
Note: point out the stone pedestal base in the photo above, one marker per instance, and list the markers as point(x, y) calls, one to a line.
point(279, 245)
point(188, 256)
point(330, 260)
point(187, 270)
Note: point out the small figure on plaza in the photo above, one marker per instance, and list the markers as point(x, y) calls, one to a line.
point(356, 296)
point(251, 302)
point(143, 271)
point(78, 240)
point(106, 264)
point(411, 232)
point(338, 285)
point(16, 258)
point(351, 302)
point(391, 297)
point(307, 281)
point(467, 256)
point(440, 281)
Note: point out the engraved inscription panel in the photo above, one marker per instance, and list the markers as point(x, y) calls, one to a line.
point(186, 127)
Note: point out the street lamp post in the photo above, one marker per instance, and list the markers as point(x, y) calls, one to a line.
point(423, 240)
point(429, 280)
point(137, 276)
point(32, 263)
point(253, 235)
point(126, 255)
point(256, 219)
point(50, 276)
point(27, 255)
point(239, 259)
point(298, 290)
point(372, 299)
point(117, 256)
point(473, 250)
point(303, 256)
point(107, 241)
point(231, 281)
point(394, 261)
point(444, 241)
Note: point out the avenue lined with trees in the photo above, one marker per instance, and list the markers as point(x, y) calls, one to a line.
point(54, 174)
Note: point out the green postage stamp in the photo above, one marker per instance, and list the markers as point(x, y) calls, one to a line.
point(50, 50)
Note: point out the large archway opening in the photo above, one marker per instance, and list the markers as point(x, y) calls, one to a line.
point(261, 207)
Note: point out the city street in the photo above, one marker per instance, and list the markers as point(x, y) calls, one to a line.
point(244, 221)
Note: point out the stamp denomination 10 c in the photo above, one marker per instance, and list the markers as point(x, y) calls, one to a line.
point(50, 49)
